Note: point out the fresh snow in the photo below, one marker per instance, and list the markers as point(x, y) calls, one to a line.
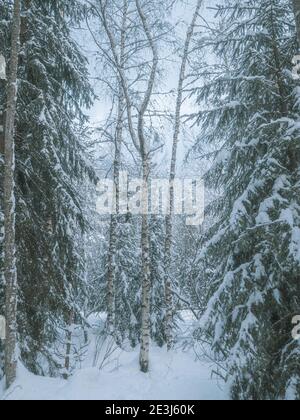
point(173, 375)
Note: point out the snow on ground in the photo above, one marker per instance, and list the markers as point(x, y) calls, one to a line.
point(173, 376)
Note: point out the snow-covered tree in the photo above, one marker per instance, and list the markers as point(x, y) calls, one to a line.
point(4, 54)
point(132, 33)
point(296, 8)
point(51, 166)
point(176, 137)
point(9, 204)
point(158, 307)
point(128, 287)
point(250, 109)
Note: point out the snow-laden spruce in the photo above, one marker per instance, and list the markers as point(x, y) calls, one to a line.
point(50, 166)
point(251, 258)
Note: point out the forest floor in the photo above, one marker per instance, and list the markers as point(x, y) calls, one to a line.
point(175, 375)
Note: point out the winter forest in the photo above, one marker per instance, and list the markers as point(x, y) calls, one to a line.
point(150, 200)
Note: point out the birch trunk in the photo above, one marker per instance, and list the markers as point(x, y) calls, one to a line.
point(169, 217)
point(139, 141)
point(146, 286)
point(111, 275)
point(68, 347)
point(296, 6)
point(10, 271)
point(2, 104)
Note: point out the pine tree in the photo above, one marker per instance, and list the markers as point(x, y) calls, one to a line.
point(252, 252)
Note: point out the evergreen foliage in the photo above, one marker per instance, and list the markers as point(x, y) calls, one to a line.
point(51, 167)
point(252, 251)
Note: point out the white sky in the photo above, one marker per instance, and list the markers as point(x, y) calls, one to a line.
point(183, 13)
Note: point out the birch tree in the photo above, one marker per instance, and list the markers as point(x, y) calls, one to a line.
point(2, 88)
point(144, 150)
point(114, 20)
point(169, 217)
point(116, 178)
point(2, 107)
point(9, 204)
point(136, 128)
point(5, 41)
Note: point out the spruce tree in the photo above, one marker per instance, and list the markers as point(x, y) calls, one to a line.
point(128, 287)
point(5, 32)
point(51, 167)
point(252, 253)
point(9, 200)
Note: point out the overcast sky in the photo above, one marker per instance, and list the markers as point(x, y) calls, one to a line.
point(182, 13)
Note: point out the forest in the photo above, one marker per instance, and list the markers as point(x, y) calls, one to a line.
point(150, 200)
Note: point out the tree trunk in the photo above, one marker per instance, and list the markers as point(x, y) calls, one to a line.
point(140, 143)
point(2, 103)
point(9, 206)
point(169, 217)
point(111, 275)
point(68, 347)
point(146, 281)
point(143, 144)
point(2, 118)
point(296, 6)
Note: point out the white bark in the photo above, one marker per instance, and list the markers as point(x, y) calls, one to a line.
point(2, 105)
point(9, 206)
point(146, 287)
point(111, 275)
point(169, 217)
point(140, 142)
